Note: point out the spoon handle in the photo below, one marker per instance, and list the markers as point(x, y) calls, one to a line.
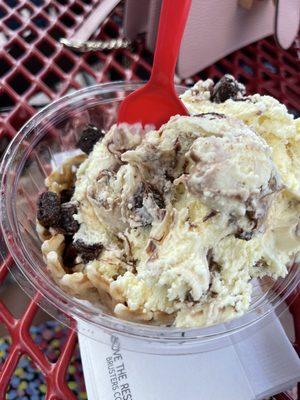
point(172, 22)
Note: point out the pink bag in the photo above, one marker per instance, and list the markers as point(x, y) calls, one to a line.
point(215, 28)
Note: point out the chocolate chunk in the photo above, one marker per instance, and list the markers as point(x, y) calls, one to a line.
point(244, 235)
point(213, 266)
point(274, 184)
point(189, 298)
point(158, 198)
point(169, 177)
point(244, 99)
point(66, 221)
point(261, 264)
point(88, 252)
point(89, 137)
point(69, 254)
point(48, 212)
point(251, 215)
point(177, 146)
point(66, 195)
point(140, 212)
point(226, 88)
point(210, 215)
point(213, 115)
point(255, 218)
point(240, 233)
point(138, 197)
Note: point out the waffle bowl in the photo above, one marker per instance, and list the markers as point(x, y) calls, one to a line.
point(51, 136)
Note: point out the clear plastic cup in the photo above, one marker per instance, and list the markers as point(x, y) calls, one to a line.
point(28, 160)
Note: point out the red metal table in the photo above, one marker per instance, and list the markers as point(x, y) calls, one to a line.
point(36, 68)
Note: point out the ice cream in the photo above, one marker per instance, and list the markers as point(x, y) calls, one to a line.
point(171, 226)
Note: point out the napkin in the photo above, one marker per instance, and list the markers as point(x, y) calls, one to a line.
point(260, 365)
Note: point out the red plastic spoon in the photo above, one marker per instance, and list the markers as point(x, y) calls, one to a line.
point(157, 101)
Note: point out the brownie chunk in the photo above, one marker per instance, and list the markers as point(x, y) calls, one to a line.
point(89, 137)
point(48, 212)
point(67, 223)
point(88, 252)
point(227, 88)
point(69, 254)
point(66, 195)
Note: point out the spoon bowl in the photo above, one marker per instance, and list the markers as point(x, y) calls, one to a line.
point(157, 101)
point(151, 105)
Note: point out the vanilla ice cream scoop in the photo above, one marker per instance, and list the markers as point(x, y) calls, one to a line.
point(231, 171)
